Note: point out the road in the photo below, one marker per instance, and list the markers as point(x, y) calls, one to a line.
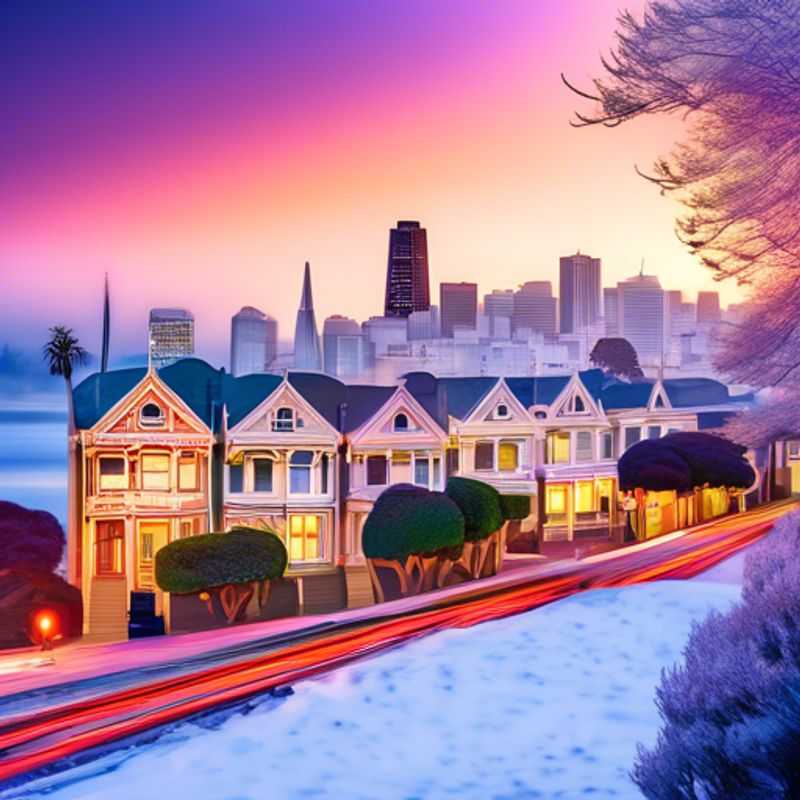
point(47, 737)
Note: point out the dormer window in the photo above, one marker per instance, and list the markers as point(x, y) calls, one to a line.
point(151, 416)
point(501, 412)
point(284, 420)
point(578, 405)
point(401, 423)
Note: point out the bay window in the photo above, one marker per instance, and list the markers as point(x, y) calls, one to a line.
point(305, 537)
point(188, 472)
point(155, 471)
point(112, 473)
point(557, 447)
point(262, 475)
point(584, 451)
point(508, 457)
point(300, 472)
point(377, 471)
point(484, 455)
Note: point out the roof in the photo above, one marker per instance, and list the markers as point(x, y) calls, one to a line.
point(635, 394)
point(687, 392)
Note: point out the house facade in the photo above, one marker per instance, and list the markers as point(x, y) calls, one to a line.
point(159, 455)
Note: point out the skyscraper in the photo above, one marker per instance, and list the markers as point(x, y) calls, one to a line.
point(106, 328)
point(535, 308)
point(307, 353)
point(458, 304)
point(171, 335)
point(407, 287)
point(641, 314)
point(500, 303)
point(611, 311)
point(579, 288)
point(708, 309)
point(254, 341)
point(343, 347)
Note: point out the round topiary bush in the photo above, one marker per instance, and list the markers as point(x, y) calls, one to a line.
point(515, 506)
point(480, 505)
point(227, 564)
point(409, 520)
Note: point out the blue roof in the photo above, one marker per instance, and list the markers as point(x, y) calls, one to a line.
point(627, 395)
point(687, 392)
point(535, 391)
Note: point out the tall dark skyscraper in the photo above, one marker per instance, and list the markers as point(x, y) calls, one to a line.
point(579, 292)
point(407, 287)
point(307, 351)
point(106, 328)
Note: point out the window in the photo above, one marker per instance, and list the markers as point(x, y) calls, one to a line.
point(300, 472)
point(501, 412)
point(324, 466)
point(484, 455)
point(304, 537)
point(606, 445)
point(284, 420)
point(188, 472)
point(654, 432)
point(236, 478)
point(401, 422)
point(578, 405)
point(421, 471)
point(110, 548)
point(557, 448)
point(112, 473)
point(584, 497)
point(508, 457)
point(155, 471)
point(151, 415)
point(632, 435)
point(186, 529)
point(376, 471)
point(583, 446)
point(262, 475)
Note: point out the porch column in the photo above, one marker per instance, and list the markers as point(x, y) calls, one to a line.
point(496, 451)
point(571, 510)
point(430, 471)
point(388, 467)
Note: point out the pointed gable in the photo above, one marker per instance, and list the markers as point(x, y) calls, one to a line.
point(576, 401)
point(658, 397)
point(401, 418)
point(499, 405)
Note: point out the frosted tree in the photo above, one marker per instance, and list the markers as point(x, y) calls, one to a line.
point(731, 68)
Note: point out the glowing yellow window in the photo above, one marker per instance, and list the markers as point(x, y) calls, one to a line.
point(508, 457)
point(557, 448)
point(556, 500)
point(155, 471)
point(304, 532)
point(584, 496)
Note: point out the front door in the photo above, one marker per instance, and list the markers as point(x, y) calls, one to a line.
point(152, 537)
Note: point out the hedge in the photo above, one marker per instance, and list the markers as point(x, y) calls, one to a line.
point(219, 559)
point(409, 520)
point(479, 503)
point(515, 506)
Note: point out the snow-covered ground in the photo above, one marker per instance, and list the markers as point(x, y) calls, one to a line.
point(548, 704)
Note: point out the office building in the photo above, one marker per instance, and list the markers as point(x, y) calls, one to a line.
point(423, 324)
point(307, 353)
point(708, 309)
point(407, 287)
point(171, 332)
point(611, 311)
point(535, 308)
point(343, 347)
point(641, 314)
point(254, 341)
point(458, 303)
point(580, 292)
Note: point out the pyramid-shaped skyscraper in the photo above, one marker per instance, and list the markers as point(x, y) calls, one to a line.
point(307, 351)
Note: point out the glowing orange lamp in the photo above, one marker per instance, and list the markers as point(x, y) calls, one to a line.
point(45, 624)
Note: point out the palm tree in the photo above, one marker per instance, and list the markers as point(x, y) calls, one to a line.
point(62, 353)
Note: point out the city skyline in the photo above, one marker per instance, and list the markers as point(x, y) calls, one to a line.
point(216, 216)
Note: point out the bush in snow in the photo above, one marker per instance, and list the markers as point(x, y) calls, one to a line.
point(732, 711)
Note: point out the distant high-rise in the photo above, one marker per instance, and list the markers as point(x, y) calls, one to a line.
point(641, 314)
point(171, 335)
point(423, 324)
point(307, 353)
point(500, 303)
point(708, 309)
point(343, 347)
point(458, 304)
point(580, 292)
point(254, 341)
point(106, 328)
point(407, 287)
point(535, 308)
point(611, 311)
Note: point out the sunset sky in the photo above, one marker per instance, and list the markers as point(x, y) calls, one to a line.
point(201, 151)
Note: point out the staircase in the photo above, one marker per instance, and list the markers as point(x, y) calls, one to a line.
point(108, 610)
point(359, 586)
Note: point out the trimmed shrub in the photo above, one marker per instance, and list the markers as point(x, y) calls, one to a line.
point(515, 506)
point(479, 503)
point(731, 712)
point(29, 539)
point(219, 559)
point(409, 520)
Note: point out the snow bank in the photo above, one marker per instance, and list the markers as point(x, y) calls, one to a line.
point(548, 704)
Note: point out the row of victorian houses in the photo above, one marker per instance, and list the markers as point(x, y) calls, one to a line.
point(188, 449)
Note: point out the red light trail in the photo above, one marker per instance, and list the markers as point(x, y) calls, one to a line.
point(42, 738)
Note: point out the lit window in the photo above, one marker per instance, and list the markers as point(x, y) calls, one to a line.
point(155, 471)
point(284, 420)
point(304, 537)
point(484, 455)
point(556, 500)
point(112, 473)
point(377, 470)
point(583, 446)
point(300, 472)
point(508, 457)
point(401, 422)
point(557, 448)
point(584, 497)
point(151, 415)
point(110, 547)
point(262, 475)
point(187, 472)
point(632, 435)
point(236, 478)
